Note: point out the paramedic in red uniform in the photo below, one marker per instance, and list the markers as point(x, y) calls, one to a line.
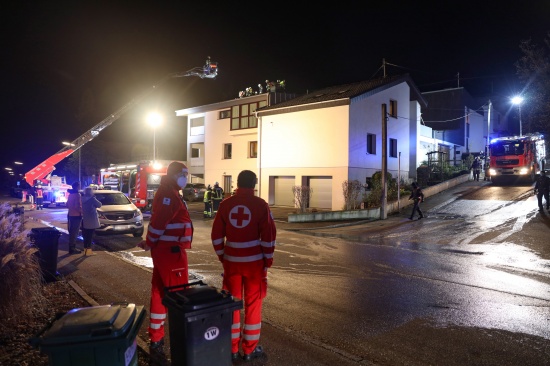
point(169, 234)
point(243, 236)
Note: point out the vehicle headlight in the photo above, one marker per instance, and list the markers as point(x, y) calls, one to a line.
point(101, 215)
point(492, 172)
point(137, 213)
point(523, 171)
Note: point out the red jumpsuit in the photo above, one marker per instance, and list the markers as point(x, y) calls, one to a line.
point(169, 234)
point(243, 236)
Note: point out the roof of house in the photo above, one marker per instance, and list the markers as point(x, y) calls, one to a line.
point(342, 94)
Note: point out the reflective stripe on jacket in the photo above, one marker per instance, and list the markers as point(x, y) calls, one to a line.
point(243, 230)
point(170, 221)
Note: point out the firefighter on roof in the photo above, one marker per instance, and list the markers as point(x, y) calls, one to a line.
point(169, 235)
point(243, 236)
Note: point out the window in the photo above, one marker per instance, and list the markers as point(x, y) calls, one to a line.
point(227, 151)
point(243, 116)
point(393, 148)
point(225, 114)
point(393, 109)
point(371, 143)
point(195, 153)
point(196, 126)
point(253, 149)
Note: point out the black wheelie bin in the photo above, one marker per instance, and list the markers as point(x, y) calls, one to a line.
point(46, 239)
point(199, 322)
point(104, 335)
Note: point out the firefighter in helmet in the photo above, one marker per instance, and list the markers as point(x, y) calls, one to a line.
point(217, 197)
point(208, 202)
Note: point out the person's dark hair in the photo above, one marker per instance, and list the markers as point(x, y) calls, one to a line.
point(246, 179)
point(414, 185)
point(76, 185)
point(175, 167)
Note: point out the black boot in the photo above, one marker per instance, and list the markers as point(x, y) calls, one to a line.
point(74, 250)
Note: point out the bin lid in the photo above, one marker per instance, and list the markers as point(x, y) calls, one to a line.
point(196, 298)
point(94, 323)
point(38, 231)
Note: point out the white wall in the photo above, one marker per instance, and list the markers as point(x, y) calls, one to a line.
point(305, 143)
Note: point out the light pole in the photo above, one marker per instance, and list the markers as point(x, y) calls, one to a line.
point(517, 100)
point(154, 120)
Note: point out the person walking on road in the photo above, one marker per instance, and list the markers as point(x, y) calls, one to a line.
point(90, 219)
point(208, 202)
point(243, 236)
point(169, 235)
point(74, 216)
point(417, 196)
point(542, 188)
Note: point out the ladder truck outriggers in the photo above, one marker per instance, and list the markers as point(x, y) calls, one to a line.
point(518, 158)
point(55, 188)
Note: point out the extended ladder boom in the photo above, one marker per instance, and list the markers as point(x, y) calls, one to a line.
point(208, 71)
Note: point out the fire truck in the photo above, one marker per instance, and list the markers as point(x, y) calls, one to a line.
point(137, 180)
point(41, 174)
point(519, 157)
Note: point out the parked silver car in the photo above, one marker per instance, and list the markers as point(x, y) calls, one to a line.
point(193, 192)
point(118, 215)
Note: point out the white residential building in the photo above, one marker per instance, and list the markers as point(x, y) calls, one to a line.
point(320, 139)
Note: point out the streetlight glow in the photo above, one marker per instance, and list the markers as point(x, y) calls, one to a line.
point(154, 120)
point(517, 100)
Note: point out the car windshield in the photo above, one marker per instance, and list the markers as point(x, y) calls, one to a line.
point(112, 198)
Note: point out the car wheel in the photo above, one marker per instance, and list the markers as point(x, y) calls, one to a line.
point(138, 233)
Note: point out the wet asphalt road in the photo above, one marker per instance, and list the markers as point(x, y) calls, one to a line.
point(466, 285)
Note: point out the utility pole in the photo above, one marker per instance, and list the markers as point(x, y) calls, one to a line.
point(384, 197)
point(488, 127)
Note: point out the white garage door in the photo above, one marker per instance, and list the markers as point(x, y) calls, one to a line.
point(283, 191)
point(322, 192)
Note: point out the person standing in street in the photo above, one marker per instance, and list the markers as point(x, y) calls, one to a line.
point(208, 202)
point(476, 167)
point(217, 197)
point(74, 216)
point(39, 197)
point(169, 235)
point(243, 236)
point(417, 196)
point(542, 188)
point(90, 219)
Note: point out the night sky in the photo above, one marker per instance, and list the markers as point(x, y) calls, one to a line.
point(68, 65)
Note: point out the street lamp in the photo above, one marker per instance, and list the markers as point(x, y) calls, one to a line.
point(517, 100)
point(154, 120)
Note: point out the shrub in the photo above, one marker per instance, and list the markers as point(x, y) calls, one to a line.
point(373, 198)
point(352, 191)
point(302, 196)
point(20, 274)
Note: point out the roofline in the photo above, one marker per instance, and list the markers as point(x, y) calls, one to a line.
point(305, 107)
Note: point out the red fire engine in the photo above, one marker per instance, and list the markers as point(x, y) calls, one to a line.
point(138, 180)
point(520, 157)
